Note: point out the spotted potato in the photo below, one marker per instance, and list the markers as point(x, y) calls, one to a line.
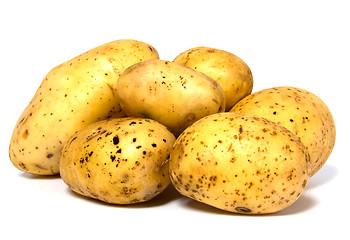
point(230, 71)
point(118, 161)
point(170, 93)
point(301, 112)
point(72, 95)
point(240, 163)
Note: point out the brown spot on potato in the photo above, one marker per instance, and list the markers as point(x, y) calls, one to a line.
point(304, 183)
point(22, 165)
point(40, 167)
point(179, 150)
point(22, 120)
point(95, 134)
point(115, 140)
point(74, 138)
point(230, 147)
point(163, 165)
point(189, 118)
point(25, 134)
point(124, 177)
point(242, 209)
point(240, 129)
point(111, 88)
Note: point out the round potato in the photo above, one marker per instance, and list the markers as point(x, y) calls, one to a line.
point(240, 163)
point(301, 112)
point(230, 71)
point(170, 93)
point(118, 161)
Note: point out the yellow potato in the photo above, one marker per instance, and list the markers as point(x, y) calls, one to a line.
point(71, 96)
point(231, 72)
point(301, 112)
point(170, 93)
point(239, 163)
point(119, 161)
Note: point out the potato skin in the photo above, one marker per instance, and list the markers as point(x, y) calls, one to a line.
point(301, 112)
point(239, 163)
point(118, 161)
point(71, 96)
point(170, 93)
point(230, 71)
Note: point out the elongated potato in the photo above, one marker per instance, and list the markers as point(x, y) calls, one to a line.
point(119, 161)
point(230, 71)
point(72, 95)
point(301, 112)
point(170, 93)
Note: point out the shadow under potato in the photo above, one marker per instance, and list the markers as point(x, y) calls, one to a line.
point(168, 195)
point(304, 203)
point(40, 177)
point(325, 175)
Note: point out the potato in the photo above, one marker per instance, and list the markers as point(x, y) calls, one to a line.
point(231, 72)
point(239, 163)
point(301, 112)
point(170, 93)
point(118, 161)
point(72, 95)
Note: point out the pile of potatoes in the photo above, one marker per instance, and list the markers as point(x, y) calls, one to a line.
point(119, 125)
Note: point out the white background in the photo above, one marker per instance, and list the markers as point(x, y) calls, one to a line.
point(297, 43)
